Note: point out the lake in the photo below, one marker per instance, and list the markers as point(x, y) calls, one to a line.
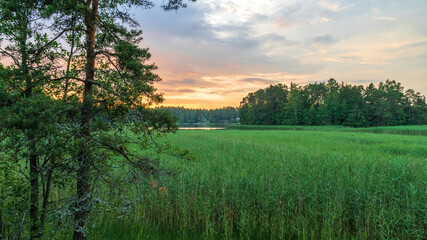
point(201, 128)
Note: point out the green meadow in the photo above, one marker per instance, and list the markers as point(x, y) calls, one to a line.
point(404, 129)
point(320, 183)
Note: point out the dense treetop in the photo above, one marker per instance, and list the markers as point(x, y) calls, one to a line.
point(334, 103)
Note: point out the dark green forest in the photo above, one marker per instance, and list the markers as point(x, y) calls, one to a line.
point(334, 103)
point(220, 115)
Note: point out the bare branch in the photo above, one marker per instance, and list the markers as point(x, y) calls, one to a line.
point(68, 65)
point(2, 51)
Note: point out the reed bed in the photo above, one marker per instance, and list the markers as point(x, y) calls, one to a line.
point(282, 185)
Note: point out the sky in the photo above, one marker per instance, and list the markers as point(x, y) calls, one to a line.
point(214, 52)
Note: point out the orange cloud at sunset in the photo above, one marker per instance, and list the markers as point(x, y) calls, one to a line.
point(215, 52)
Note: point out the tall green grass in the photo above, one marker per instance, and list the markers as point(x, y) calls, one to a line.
point(283, 185)
point(403, 130)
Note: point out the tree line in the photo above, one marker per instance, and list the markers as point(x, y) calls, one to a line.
point(334, 103)
point(220, 115)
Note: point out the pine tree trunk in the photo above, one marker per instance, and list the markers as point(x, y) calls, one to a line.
point(45, 204)
point(34, 192)
point(32, 151)
point(85, 157)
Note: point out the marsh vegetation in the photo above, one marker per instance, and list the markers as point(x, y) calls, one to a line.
point(310, 184)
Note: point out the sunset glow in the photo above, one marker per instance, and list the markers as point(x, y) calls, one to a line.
point(216, 51)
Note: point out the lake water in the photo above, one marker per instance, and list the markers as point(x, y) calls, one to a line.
point(201, 128)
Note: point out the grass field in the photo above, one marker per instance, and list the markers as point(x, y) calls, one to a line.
point(311, 184)
point(403, 130)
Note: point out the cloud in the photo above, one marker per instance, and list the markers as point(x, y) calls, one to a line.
point(257, 80)
point(179, 90)
point(387, 19)
point(281, 22)
point(272, 37)
point(333, 6)
point(247, 43)
point(190, 83)
point(325, 19)
point(295, 14)
point(218, 47)
point(324, 39)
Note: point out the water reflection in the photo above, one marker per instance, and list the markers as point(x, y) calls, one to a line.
point(201, 128)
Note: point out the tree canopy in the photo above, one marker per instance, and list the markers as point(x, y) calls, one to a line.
point(333, 103)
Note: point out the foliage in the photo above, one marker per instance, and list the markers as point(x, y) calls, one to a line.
point(403, 130)
point(264, 105)
point(334, 104)
point(220, 115)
